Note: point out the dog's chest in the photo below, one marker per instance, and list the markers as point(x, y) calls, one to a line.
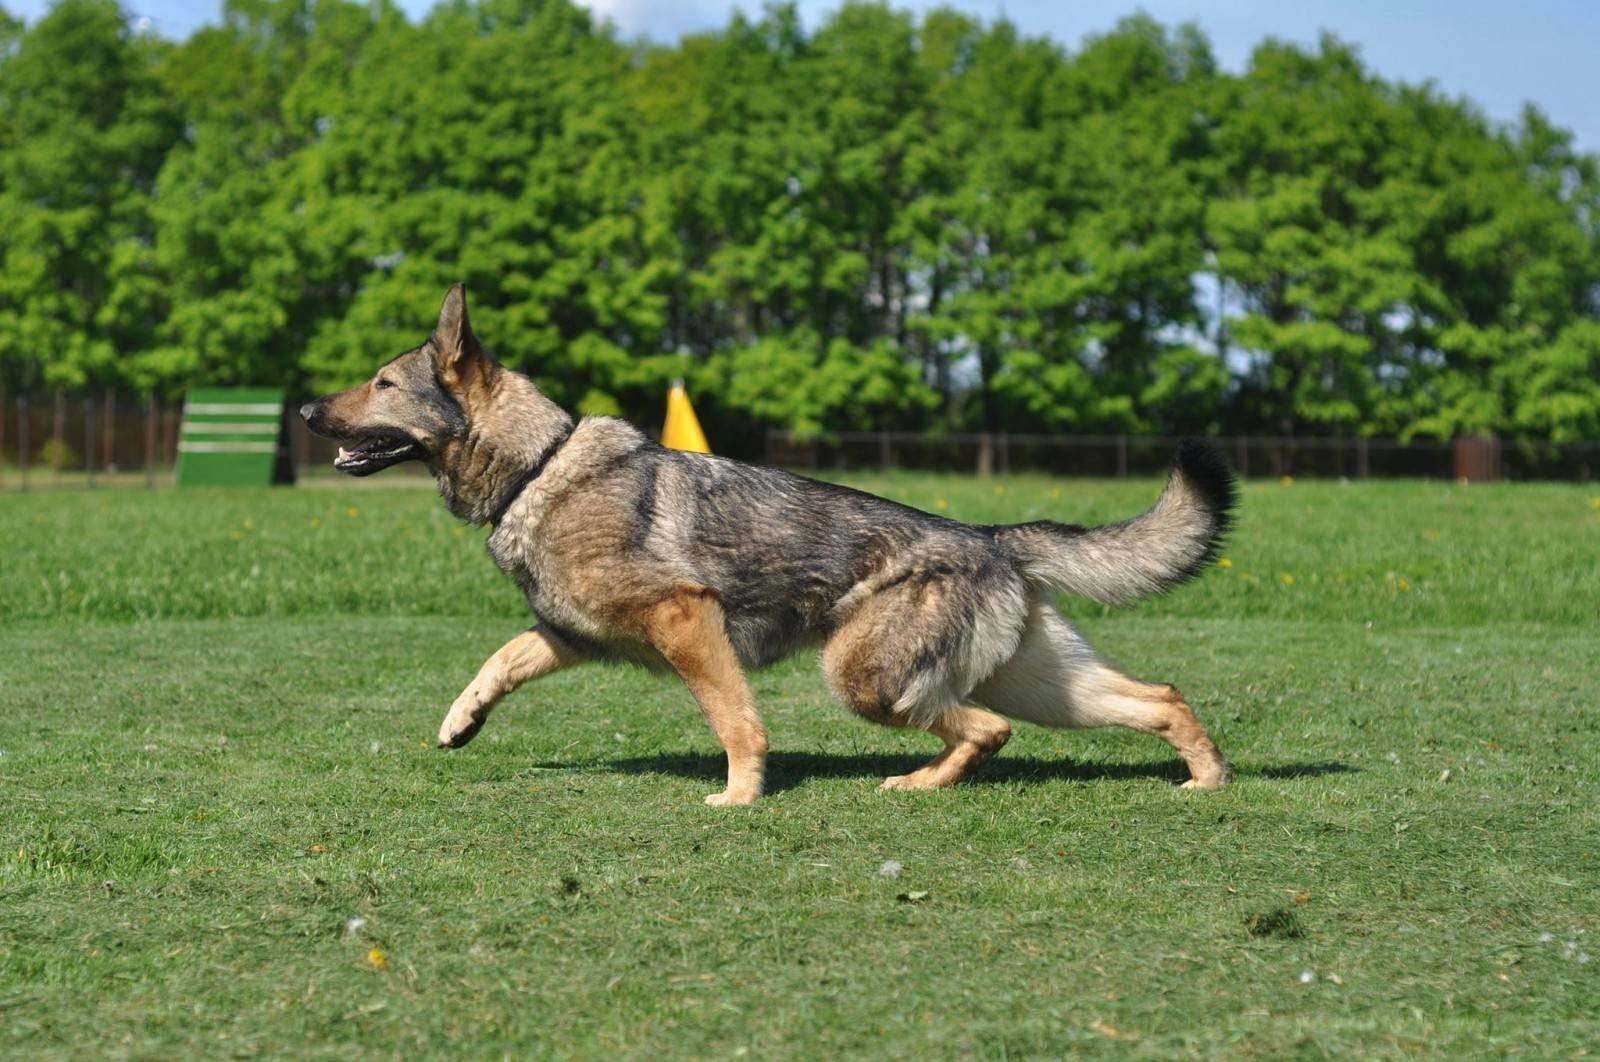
point(519, 552)
point(515, 547)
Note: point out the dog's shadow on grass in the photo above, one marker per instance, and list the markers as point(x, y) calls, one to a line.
point(786, 770)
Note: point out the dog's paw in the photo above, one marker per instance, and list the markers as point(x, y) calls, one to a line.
point(453, 737)
point(462, 723)
point(914, 780)
point(730, 799)
point(1216, 781)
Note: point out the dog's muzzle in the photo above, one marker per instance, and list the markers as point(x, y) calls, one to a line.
point(365, 454)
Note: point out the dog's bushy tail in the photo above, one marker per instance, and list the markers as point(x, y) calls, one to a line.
point(1171, 543)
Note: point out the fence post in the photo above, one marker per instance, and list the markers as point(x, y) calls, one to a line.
point(22, 439)
point(985, 454)
point(1242, 445)
point(108, 446)
point(885, 453)
point(150, 415)
point(58, 428)
point(1005, 454)
point(1122, 456)
point(2, 436)
point(88, 439)
point(169, 435)
point(1361, 456)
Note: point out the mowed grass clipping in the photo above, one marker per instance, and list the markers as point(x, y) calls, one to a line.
point(226, 831)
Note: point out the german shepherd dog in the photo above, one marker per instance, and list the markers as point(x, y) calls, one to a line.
point(707, 567)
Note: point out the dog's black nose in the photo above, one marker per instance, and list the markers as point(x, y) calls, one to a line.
point(307, 410)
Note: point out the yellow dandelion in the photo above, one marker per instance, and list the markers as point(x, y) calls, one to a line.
point(352, 511)
point(1055, 493)
point(238, 536)
point(1285, 578)
point(457, 531)
point(249, 524)
point(377, 959)
point(1594, 503)
point(1224, 562)
point(941, 504)
point(316, 522)
point(318, 849)
point(999, 489)
point(1403, 585)
point(1287, 481)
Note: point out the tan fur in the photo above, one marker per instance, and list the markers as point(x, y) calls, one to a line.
point(530, 655)
point(511, 422)
point(1055, 680)
point(971, 736)
point(884, 630)
point(687, 630)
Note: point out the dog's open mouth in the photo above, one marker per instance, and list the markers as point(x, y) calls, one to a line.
point(363, 457)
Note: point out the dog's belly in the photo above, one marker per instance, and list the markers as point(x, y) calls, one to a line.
point(761, 640)
point(762, 633)
point(603, 626)
point(563, 612)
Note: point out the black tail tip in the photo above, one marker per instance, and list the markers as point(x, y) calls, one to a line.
point(1208, 474)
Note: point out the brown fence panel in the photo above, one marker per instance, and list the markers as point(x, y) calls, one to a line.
point(97, 439)
point(85, 439)
point(1146, 455)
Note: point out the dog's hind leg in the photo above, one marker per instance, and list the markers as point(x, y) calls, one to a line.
point(530, 655)
point(1055, 679)
point(971, 736)
point(909, 654)
point(689, 631)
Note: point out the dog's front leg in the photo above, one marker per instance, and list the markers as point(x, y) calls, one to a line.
point(689, 631)
point(530, 655)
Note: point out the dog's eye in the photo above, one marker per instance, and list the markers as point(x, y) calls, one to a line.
point(382, 383)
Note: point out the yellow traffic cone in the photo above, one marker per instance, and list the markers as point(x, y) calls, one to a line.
point(682, 430)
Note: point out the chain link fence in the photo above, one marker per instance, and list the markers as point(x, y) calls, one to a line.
point(1474, 459)
point(107, 439)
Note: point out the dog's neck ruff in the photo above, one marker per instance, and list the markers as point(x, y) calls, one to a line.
point(522, 482)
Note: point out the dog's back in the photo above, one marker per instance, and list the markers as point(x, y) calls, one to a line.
point(781, 552)
point(789, 558)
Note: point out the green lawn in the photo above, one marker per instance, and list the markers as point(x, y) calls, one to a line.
point(216, 713)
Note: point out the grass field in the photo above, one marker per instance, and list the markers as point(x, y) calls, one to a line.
point(225, 830)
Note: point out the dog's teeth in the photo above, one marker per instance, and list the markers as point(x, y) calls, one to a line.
point(344, 455)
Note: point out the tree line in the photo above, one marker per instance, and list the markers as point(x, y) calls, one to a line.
point(882, 221)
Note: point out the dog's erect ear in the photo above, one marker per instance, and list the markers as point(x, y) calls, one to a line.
point(455, 348)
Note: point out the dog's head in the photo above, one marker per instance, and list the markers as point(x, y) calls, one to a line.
point(415, 406)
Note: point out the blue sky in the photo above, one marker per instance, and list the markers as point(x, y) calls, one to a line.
point(1497, 52)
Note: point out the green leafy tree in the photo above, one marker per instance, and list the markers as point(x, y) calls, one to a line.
point(885, 220)
point(84, 131)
